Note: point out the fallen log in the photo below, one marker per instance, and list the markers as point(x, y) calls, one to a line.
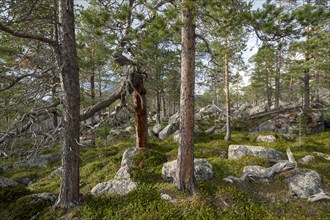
point(319, 196)
point(257, 172)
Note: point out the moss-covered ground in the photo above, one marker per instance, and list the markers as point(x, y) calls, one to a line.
point(215, 199)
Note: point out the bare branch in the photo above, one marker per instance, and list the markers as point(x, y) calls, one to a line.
point(103, 104)
point(27, 36)
point(208, 48)
point(14, 82)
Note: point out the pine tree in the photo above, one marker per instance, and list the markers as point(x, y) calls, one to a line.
point(185, 179)
point(310, 17)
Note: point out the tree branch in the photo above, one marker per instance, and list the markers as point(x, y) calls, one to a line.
point(103, 104)
point(17, 79)
point(27, 36)
point(208, 48)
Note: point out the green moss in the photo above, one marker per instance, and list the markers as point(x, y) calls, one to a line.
point(16, 203)
point(11, 193)
point(27, 207)
point(18, 174)
point(215, 199)
point(49, 213)
point(147, 165)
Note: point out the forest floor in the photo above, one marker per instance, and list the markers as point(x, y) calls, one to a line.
point(215, 199)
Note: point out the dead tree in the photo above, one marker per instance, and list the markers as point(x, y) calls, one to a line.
point(135, 85)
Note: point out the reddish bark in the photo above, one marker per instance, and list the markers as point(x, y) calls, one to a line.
point(185, 179)
point(141, 120)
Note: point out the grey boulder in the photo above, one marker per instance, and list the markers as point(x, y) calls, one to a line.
point(168, 130)
point(43, 160)
point(202, 170)
point(48, 197)
point(307, 159)
point(305, 183)
point(238, 151)
point(122, 182)
point(158, 128)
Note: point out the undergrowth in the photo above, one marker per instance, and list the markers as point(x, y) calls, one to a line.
point(215, 199)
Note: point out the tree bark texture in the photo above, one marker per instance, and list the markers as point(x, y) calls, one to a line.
point(317, 89)
point(157, 107)
point(185, 179)
point(269, 91)
point(92, 83)
point(69, 76)
point(228, 132)
point(163, 104)
point(134, 84)
point(306, 89)
point(306, 75)
point(278, 75)
point(141, 120)
point(54, 99)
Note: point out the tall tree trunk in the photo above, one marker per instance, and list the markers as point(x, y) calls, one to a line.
point(269, 91)
point(278, 63)
point(306, 89)
point(100, 84)
point(55, 115)
point(237, 96)
point(55, 79)
point(163, 104)
point(291, 89)
point(317, 89)
point(278, 75)
point(158, 106)
point(228, 132)
point(69, 76)
point(185, 179)
point(306, 73)
point(92, 82)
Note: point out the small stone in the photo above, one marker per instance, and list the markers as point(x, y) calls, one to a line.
point(307, 159)
point(167, 197)
point(5, 182)
point(26, 181)
point(58, 171)
point(86, 143)
point(266, 138)
point(50, 198)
